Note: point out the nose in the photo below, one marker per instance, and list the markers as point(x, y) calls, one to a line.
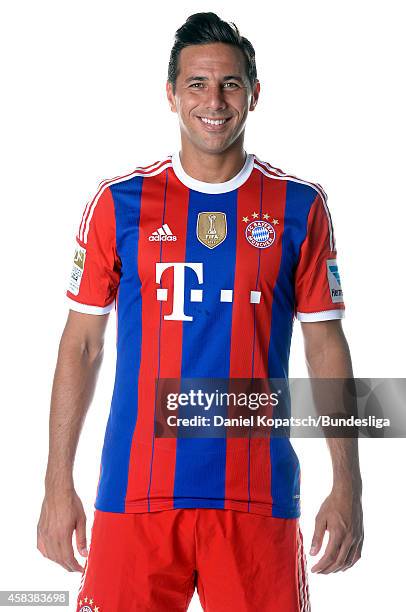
point(215, 97)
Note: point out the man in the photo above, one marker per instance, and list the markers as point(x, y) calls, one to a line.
point(208, 255)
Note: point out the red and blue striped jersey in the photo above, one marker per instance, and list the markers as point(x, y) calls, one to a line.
point(207, 280)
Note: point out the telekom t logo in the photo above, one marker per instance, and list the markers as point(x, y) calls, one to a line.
point(196, 295)
point(178, 313)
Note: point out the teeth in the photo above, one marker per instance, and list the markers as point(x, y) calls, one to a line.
point(211, 122)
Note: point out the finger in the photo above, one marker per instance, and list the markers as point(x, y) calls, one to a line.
point(65, 555)
point(318, 535)
point(71, 561)
point(81, 536)
point(63, 564)
point(41, 546)
point(351, 553)
point(341, 556)
point(52, 552)
point(354, 556)
point(330, 554)
point(357, 557)
point(50, 547)
point(73, 565)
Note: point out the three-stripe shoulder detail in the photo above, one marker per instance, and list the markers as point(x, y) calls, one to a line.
point(145, 171)
point(276, 173)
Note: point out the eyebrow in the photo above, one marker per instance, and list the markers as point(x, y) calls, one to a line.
point(229, 77)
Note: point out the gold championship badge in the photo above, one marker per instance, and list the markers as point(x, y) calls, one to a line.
point(211, 228)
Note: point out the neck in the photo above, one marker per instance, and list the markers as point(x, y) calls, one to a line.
point(212, 167)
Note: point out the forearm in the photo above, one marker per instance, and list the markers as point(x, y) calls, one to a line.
point(73, 387)
point(330, 358)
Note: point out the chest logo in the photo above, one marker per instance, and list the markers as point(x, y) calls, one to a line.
point(163, 233)
point(211, 228)
point(260, 232)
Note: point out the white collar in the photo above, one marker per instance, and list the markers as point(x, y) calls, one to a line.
point(233, 183)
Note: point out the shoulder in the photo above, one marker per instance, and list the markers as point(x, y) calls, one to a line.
point(297, 185)
point(100, 207)
point(149, 170)
point(125, 181)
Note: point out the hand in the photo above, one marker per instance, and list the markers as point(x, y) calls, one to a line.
point(61, 515)
point(341, 515)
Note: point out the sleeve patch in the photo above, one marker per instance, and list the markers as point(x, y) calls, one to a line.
point(334, 281)
point(77, 270)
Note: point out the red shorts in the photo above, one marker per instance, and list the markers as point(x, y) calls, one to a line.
point(153, 562)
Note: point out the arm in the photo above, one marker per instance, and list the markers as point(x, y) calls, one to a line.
point(328, 356)
point(79, 358)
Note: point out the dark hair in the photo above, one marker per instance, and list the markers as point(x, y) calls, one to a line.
point(205, 28)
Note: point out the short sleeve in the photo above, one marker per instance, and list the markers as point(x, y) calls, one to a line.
point(95, 271)
point(318, 292)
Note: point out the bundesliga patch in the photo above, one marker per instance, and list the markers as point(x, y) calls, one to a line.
point(334, 281)
point(77, 269)
point(260, 232)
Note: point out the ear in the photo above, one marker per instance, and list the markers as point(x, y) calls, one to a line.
point(255, 95)
point(171, 97)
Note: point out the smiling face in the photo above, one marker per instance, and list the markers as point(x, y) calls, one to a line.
point(212, 96)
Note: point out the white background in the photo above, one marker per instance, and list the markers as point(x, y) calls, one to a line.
point(84, 99)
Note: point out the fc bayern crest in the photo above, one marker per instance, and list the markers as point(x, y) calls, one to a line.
point(261, 234)
point(88, 605)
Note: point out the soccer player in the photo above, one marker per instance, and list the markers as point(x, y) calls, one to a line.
point(207, 256)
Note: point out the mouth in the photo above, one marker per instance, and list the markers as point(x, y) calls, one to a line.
point(213, 125)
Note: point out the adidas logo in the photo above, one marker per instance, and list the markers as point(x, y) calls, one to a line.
point(162, 234)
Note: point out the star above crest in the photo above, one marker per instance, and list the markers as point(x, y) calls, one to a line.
point(256, 215)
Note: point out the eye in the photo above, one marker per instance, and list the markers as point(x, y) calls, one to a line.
point(230, 83)
point(194, 85)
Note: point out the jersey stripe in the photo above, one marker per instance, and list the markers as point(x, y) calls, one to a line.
point(285, 466)
point(195, 477)
point(124, 405)
point(273, 204)
point(163, 460)
point(259, 468)
point(148, 254)
point(238, 468)
point(303, 583)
